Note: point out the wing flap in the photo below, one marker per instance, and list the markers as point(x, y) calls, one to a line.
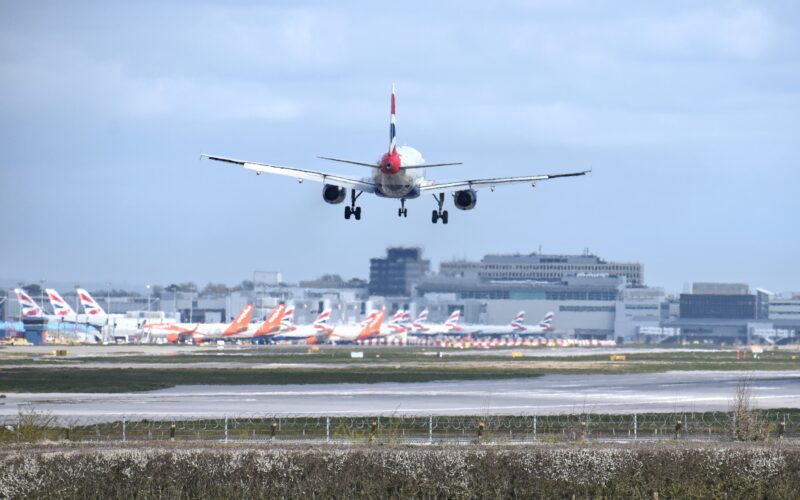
point(300, 174)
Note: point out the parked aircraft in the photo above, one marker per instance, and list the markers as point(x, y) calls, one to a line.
point(397, 174)
point(515, 328)
point(200, 332)
point(66, 313)
point(420, 328)
point(271, 325)
point(369, 327)
point(30, 309)
point(60, 306)
point(320, 327)
point(67, 325)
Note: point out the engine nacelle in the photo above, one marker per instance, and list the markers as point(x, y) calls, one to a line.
point(465, 200)
point(333, 194)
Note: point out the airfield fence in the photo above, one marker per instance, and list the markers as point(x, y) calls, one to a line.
point(404, 429)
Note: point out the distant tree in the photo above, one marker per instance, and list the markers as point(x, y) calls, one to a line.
point(156, 290)
point(33, 290)
point(172, 288)
point(215, 289)
point(188, 286)
point(247, 285)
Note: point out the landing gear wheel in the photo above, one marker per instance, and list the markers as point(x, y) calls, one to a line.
point(405, 212)
point(353, 209)
point(439, 214)
point(399, 212)
point(402, 211)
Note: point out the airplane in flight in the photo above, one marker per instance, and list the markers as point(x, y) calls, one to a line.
point(398, 174)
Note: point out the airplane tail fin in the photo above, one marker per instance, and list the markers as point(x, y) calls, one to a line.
point(90, 306)
point(518, 323)
point(241, 322)
point(321, 323)
point(30, 309)
point(272, 323)
point(453, 319)
point(287, 321)
point(452, 322)
point(60, 306)
point(372, 324)
point(392, 129)
point(547, 322)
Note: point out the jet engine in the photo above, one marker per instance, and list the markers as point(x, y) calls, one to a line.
point(333, 194)
point(466, 199)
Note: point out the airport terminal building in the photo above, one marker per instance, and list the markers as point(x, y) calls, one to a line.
point(542, 267)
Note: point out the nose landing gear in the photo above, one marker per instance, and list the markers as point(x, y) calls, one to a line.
point(439, 214)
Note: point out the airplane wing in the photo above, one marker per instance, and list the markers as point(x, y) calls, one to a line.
point(447, 187)
point(300, 174)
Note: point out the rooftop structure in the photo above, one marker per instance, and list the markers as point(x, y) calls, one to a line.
point(542, 267)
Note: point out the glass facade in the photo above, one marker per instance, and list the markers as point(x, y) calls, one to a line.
point(697, 306)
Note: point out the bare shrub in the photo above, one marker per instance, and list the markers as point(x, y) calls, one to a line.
point(34, 426)
point(747, 423)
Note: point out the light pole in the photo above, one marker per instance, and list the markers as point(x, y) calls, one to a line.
point(108, 298)
point(148, 298)
point(41, 291)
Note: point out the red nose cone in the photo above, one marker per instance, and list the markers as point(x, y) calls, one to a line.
point(390, 163)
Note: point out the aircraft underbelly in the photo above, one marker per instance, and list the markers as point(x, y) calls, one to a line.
point(396, 186)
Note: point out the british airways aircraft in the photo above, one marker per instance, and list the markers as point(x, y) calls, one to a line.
point(397, 174)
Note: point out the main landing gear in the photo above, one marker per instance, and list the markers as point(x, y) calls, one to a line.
point(353, 209)
point(439, 214)
point(402, 211)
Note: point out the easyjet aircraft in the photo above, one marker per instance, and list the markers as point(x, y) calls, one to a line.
point(397, 174)
point(370, 327)
point(200, 332)
point(271, 325)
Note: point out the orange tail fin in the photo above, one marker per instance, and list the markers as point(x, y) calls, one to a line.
point(273, 322)
point(241, 322)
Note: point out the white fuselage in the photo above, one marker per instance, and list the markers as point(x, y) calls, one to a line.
point(406, 182)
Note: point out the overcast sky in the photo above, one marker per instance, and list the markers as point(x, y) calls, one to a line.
point(688, 113)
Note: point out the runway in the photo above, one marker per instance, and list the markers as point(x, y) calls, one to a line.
point(547, 395)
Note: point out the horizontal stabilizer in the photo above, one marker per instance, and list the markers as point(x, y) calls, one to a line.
point(352, 162)
point(427, 165)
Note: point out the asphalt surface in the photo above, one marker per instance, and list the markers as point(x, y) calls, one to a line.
point(547, 395)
